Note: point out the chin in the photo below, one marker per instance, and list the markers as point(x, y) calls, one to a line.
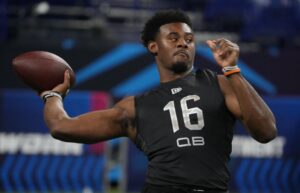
point(180, 67)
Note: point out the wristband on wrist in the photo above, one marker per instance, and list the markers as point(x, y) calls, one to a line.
point(48, 94)
point(228, 70)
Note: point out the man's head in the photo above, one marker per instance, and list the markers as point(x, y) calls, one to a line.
point(168, 36)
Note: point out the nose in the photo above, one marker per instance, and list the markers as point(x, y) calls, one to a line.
point(182, 43)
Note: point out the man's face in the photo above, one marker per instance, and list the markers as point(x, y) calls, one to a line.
point(175, 47)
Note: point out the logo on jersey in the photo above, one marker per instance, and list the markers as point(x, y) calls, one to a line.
point(176, 90)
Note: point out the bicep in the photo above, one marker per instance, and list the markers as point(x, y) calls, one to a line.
point(92, 127)
point(99, 125)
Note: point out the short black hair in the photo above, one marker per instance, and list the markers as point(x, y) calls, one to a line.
point(161, 18)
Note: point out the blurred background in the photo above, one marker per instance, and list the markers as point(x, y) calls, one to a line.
point(100, 39)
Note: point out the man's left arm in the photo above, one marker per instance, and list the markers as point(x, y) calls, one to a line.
point(245, 103)
point(240, 97)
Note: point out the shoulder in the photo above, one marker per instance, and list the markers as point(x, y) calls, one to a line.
point(127, 105)
point(127, 108)
point(152, 94)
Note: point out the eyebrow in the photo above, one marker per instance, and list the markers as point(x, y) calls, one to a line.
point(189, 33)
point(186, 34)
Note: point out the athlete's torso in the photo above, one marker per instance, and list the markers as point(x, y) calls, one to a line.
point(185, 130)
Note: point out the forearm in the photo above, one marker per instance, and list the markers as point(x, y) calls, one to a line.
point(54, 115)
point(256, 115)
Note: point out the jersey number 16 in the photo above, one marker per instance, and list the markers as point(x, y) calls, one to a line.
point(186, 113)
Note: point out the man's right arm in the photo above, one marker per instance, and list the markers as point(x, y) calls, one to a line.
point(91, 127)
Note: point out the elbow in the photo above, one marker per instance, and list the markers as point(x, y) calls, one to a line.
point(263, 130)
point(266, 135)
point(266, 138)
point(262, 127)
point(59, 129)
point(59, 133)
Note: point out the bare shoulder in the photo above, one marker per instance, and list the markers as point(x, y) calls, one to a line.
point(127, 106)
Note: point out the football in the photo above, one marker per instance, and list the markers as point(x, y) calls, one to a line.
point(42, 70)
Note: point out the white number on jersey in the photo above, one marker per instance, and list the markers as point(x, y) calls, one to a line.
point(186, 113)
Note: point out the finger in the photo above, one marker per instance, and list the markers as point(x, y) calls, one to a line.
point(226, 46)
point(220, 44)
point(232, 44)
point(226, 49)
point(225, 52)
point(228, 41)
point(224, 43)
point(63, 87)
point(67, 78)
point(220, 41)
point(212, 45)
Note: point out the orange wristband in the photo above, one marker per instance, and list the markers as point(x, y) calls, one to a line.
point(227, 73)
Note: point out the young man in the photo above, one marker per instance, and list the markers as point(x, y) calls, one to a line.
point(185, 125)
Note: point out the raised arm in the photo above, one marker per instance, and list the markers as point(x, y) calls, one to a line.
point(91, 127)
point(240, 97)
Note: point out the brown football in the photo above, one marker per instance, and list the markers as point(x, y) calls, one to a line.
point(42, 70)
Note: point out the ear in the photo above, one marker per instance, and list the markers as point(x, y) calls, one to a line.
point(152, 47)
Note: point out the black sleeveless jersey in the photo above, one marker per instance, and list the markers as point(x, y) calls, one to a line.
point(185, 129)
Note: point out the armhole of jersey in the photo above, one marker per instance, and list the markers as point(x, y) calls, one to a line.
point(211, 77)
point(139, 141)
point(208, 76)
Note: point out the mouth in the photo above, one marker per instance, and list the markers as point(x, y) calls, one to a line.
point(182, 53)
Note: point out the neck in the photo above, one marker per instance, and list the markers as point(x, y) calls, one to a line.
point(167, 75)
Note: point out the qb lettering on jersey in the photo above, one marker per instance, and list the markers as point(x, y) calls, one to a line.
point(193, 141)
point(186, 113)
